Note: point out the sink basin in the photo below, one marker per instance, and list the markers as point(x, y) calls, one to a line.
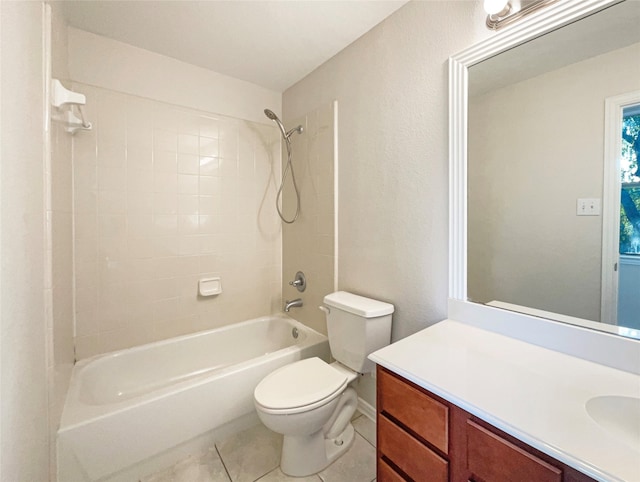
point(618, 415)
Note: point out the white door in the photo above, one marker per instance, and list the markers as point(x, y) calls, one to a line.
point(621, 213)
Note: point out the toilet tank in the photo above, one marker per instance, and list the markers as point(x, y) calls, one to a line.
point(357, 326)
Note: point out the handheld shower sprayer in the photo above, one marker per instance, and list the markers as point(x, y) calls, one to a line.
point(286, 136)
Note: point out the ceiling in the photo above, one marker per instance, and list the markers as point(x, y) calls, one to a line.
point(273, 44)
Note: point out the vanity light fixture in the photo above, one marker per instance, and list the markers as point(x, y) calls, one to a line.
point(499, 12)
point(497, 8)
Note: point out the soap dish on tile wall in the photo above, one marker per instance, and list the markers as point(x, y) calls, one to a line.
point(210, 286)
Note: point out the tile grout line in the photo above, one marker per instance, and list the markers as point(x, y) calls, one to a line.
point(317, 477)
point(223, 464)
point(265, 474)
point(365, 438)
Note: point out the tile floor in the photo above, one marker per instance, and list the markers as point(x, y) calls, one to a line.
point(254, 455)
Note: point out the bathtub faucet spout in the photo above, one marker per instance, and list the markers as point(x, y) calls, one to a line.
point(292, 304)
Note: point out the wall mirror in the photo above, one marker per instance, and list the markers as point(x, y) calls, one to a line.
point(531, 195)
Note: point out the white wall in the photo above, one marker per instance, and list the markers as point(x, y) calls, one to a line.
point(535, 147)
point(103, 62)
point(59, 246)
point(24, 449)
point(391, 86)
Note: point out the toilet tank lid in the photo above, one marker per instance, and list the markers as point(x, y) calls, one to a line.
point(358, 305)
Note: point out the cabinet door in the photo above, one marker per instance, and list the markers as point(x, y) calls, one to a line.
point(494, 459)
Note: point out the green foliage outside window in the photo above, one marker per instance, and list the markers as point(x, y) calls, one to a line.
point(630, 195)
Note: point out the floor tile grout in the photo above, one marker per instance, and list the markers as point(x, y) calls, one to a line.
point(365, 438)
point(275, 472)
point(359, 433)
point(223, 464)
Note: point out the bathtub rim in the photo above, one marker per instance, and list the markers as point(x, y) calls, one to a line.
point(112, 354)
point(77, 413)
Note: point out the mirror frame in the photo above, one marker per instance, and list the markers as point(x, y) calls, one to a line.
point(570, 339)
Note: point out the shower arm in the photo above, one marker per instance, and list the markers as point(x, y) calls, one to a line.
point(297, 129)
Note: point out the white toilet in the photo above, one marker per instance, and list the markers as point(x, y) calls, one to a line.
point(309, 401)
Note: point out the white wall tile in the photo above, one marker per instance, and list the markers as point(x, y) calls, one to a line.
point(209, 166)
point(111, 153)
point(165, 182)
point(229, 147)
point(156, 208)
point(188, 123)
point(139, 157)
point(188, 164)
point(164, 117)
point(165, 161)
point(208, 205)
point(209, 185)
point(187, 144)
point(165, 246)
point(114, 248)
point(139, 224)
point(165, 224)
point(188, 204)
point(85, 201)
point(188, 245)
point(165, 203)
point(228, 167)
point(139, 180)
point(188, 184)
point(142, 247)
point(164, 140)
point(110, 225)
point(188, 225)
point(208, 147)
point(209, 127)
point(112, 202)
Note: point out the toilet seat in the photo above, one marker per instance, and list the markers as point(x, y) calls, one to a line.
point(299, 387)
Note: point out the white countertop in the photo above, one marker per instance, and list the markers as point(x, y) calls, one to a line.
point(533, 393)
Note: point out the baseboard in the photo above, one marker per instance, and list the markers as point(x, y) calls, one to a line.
point(367, 409)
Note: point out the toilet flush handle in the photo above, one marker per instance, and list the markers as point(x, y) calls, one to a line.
point(325, 309)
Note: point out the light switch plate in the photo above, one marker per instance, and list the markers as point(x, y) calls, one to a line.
point(588, 207)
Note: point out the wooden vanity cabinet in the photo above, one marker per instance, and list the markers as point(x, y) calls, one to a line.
point(424, 438)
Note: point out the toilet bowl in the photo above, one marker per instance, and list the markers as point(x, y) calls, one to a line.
point(311, 404)
point(310, 401)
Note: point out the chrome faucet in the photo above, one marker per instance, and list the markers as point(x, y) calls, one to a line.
point(292, 304)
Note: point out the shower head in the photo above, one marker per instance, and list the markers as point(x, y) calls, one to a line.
point(271, 115)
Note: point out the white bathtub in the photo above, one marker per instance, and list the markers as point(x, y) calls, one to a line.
point(125, 407)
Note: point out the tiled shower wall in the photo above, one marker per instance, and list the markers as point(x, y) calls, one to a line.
point(164, 196)
point(309, 243)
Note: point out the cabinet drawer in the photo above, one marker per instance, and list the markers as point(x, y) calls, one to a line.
point(494, 459)
point(387, 474)
point(412, 457)
point(426, 417)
